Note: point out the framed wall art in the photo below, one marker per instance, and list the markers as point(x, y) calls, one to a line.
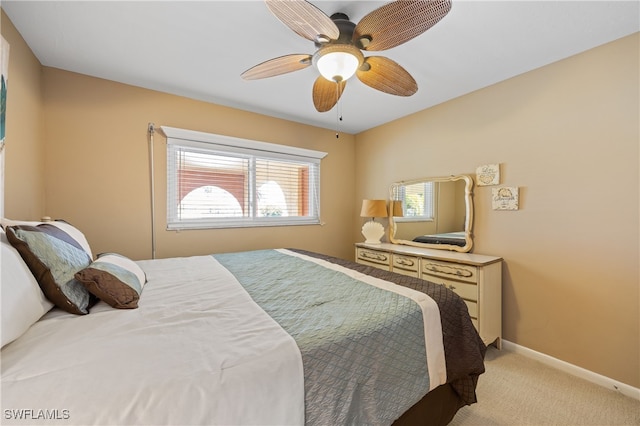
point(505, 198)
point(488, 174)
point(4, 67)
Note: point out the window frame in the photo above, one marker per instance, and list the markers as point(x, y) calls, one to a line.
point(240, 148)
point(433, 204)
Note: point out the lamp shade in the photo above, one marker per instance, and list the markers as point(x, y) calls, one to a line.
point(374, 208)
point(395, 208)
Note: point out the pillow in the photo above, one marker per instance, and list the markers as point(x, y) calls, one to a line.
point(115, 279)
point(54, 256)
point(23, 302)
point(58, 223)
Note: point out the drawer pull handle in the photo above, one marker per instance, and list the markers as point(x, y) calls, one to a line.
point(374, 256)
point(449, 270)
point(405, 262)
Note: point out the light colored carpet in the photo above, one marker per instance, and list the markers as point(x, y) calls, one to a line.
point(517, 390)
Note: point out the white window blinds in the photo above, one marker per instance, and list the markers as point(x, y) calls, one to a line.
point(418, 201)
point(217, 181)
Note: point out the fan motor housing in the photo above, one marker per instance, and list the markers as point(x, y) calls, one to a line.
point(346, 28)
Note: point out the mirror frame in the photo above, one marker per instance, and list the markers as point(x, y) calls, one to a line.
point(468, 195)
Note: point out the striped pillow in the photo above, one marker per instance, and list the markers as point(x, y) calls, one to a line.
point(54, 256)
point(58, 223)
point(115, 279)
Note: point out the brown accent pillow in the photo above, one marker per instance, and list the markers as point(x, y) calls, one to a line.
point(53, 257)
point(115, 279)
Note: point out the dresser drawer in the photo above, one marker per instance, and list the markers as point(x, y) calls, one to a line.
point(405, 272)
point(474, 321)
point(468, 291)
point(407, 265)
point(473, 309)
point(456, 271)
point(380, 259)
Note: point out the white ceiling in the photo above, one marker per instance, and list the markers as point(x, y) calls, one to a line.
point(199, 49)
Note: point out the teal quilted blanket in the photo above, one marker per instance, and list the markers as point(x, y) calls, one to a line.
point(363, 348)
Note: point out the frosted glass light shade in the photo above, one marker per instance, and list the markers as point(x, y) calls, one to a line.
point(337, 66)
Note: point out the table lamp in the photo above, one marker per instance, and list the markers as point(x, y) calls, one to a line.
point(373, 230)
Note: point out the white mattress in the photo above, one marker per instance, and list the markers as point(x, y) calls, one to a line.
point(197, 352)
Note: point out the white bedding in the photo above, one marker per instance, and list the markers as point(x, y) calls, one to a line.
point(202, 355)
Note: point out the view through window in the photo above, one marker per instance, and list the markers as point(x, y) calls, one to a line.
point(227, 182)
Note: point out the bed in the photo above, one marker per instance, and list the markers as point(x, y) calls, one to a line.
point(279, 336)
point(452, 238)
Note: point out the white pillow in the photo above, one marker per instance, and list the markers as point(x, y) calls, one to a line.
point(23, 302)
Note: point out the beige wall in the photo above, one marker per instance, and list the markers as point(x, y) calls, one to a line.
point(568, 135)
point(98, 169)
point(24, 153)
point(94, 135)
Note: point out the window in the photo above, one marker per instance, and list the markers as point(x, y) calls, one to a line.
point(417, 201)
point(217, 181)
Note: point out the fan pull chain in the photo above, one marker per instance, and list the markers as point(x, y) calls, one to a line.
point(338, 110)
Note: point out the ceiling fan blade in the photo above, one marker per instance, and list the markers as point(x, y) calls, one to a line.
point(305, 19)
point(326, 93)
point(398, 22)
point(387, 76)
point(277, 66)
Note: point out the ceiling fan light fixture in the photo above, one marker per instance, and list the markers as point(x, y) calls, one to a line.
point(339, 43)
point(338, 62)
point(337, 66)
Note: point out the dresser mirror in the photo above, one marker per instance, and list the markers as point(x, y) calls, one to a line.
point(432, 212)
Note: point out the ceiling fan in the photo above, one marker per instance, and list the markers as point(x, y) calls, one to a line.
point(340, 43)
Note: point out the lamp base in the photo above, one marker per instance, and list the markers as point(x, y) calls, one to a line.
point(372, 231)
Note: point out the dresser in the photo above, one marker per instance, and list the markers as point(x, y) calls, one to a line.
point(476, 278)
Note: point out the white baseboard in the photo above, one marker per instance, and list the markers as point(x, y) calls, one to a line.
point(574, 370)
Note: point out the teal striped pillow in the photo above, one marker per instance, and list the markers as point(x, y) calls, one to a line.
point(115, 279)
point(54, 256)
